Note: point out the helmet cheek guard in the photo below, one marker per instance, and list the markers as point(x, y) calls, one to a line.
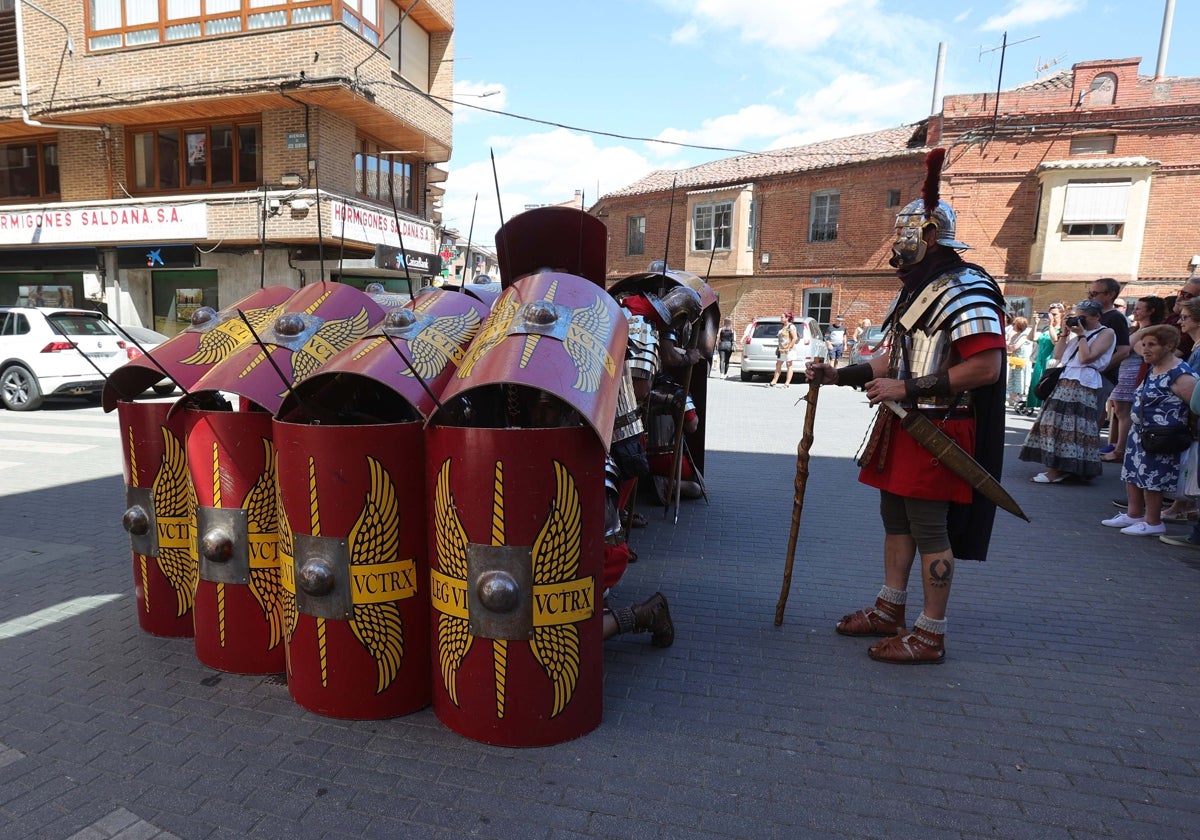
point(911, 221)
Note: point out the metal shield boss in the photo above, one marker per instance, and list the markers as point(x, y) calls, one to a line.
point(239, 596)
point(516, 562)
point(315, 324)
point(210, 338)
point(355, 569)
point(395, 371)
point(159, 515)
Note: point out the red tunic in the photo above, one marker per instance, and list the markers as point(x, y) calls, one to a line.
point(909, 469)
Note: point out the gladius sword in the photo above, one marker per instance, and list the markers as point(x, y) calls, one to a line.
point(954, 457)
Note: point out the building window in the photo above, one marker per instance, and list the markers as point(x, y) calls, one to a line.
point(635, 238)
point(413, 61)
point(1095, 144)
point(223, 155)
point(131, 23)
point(818, 305)
point(752, 227)
point(712, 226)
point(29, 170)
point(384, 178)
point(1095, 209)
point(824, 217)
point(1103, 90)
point(893, 198)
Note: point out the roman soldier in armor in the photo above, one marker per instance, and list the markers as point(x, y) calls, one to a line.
point(948, 363)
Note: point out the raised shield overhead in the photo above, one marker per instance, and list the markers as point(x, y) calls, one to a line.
point(210, 338)
point(397, 370)
point(239, 596)
point(316, 323)
point(160, 516)
point(563, 239)
point(551, 340)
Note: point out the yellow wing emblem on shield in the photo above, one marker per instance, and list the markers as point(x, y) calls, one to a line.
point(556, 554)
point(219, 343)
point(494, 330)
point(450, 539)
point(331, 337)
point(375, 538)
point(262, 518)
point(287, 554)
point(175, 498)
point(583, 343)
point(441, 341)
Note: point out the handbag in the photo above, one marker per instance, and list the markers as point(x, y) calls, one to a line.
point(1191, 471)
point(1166, 440)
point(1162, 440)
point(1046, 385)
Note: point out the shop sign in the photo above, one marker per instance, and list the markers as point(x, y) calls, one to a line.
point(360, 224)
point(119, 223)
point(393, 258)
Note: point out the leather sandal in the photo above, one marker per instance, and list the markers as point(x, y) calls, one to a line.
point(883, 619)
point(917, 647)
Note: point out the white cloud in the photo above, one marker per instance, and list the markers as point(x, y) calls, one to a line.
point(852, 103)
point(545, 168)
point(1028, 12)
point(786, 24)
point(689, 33)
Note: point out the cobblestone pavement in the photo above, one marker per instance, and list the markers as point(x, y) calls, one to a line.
point(1066, 708)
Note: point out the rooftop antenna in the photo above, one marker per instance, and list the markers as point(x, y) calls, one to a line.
point(1003, 48)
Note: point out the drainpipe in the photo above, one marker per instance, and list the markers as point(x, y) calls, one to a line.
point(21, 69)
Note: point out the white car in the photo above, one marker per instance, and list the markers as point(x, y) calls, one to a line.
point(145, 339)
point(54, 352)
point(758, 350)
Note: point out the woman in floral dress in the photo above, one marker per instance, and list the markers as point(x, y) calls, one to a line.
point(1161, 400)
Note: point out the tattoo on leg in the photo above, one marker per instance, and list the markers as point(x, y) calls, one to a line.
point(940, 572)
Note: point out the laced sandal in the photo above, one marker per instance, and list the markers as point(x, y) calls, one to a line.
point(883, 619)
point(917, 647)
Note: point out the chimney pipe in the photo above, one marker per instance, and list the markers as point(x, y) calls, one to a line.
point(936, 107)
point(1160, 69)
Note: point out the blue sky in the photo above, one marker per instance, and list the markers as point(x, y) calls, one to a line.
point(751, 75)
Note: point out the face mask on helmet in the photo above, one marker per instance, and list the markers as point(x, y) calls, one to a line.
point(910, 247)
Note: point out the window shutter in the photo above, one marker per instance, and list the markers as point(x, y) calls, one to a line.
point(1091, 202)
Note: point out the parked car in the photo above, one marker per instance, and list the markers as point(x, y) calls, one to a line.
point(42, 354)
point(869, 345)
point(758, 350)
point(148, 339)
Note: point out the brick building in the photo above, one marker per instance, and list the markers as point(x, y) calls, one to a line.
point(158, 156)
point(1093, 171)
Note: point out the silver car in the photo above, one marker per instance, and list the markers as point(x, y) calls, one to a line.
point(758, 353)
point(869, 345)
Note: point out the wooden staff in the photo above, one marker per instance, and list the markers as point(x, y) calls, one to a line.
point(802, 456)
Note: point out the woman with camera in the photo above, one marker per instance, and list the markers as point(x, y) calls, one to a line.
point(1065, 438)
point(1160, 414)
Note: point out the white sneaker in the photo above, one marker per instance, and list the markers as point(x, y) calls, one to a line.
point(1121, 520)
point(1141, 529)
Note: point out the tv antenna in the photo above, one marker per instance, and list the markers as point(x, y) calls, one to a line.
point(1003, 48)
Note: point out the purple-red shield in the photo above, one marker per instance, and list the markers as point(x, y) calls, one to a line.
point(211, 338)
point(355, 568)
point(412, 353)
point(554, 333)
point(564, 239)
point(516, 557)
point(316, 323)
point(160, 516)
point(239, 597)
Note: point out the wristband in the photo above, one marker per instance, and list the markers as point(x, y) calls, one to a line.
point(856, 376)
point(933, 385)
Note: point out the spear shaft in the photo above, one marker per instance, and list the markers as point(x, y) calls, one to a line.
point(801, 484)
